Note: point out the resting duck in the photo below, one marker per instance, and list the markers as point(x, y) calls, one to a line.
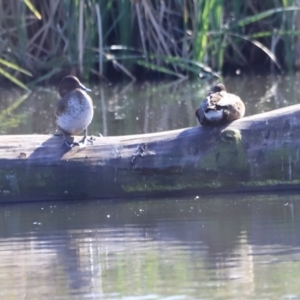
point(74, 111)
point(220, 107)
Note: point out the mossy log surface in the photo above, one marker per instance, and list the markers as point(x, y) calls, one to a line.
point(255, 153)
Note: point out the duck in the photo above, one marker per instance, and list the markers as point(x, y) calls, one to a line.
point(220, 107)
point(74, 110)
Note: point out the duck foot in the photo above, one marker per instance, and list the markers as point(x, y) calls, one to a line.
point(70, 145)
point(83, 143)
point(57, 134)
point(68, 141)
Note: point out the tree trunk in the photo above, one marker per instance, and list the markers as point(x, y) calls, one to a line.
point(255, 153)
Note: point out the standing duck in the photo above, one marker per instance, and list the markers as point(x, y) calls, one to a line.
point(220, 107)
point(74, 111)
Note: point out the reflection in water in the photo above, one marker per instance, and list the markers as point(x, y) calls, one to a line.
point(142, 108)
point(222, 247)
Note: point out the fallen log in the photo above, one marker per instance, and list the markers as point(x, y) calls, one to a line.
point(256, 153)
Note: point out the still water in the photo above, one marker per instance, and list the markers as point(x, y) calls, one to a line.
point(214, 247)
point(221, 247)
point(141, 108)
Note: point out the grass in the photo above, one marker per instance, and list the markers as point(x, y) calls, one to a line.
point(134, 39)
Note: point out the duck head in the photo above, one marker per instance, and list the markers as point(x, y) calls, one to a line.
point(218, 88)
point(70, 83)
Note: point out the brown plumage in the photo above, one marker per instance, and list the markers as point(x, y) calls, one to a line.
point(220, 107)
point(74, 111)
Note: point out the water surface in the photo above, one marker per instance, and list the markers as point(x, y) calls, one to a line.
point(221, 247)
point(141, 108)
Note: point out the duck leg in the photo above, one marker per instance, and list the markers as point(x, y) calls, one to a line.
point(82, 143)
point(69, 141)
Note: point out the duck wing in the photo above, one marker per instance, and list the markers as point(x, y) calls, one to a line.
point(212, 101)
point(233, 107)
point(60, 108)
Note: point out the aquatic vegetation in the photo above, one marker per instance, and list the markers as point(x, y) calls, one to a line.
point(9, 118)
point(122, 38)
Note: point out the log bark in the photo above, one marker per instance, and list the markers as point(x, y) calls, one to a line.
point(255, 153)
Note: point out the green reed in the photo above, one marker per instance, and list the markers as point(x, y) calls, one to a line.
point(178, 38)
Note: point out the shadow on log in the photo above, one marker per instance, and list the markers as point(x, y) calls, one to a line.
point(255, 153)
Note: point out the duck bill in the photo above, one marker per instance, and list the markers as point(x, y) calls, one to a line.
point(84, 88)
